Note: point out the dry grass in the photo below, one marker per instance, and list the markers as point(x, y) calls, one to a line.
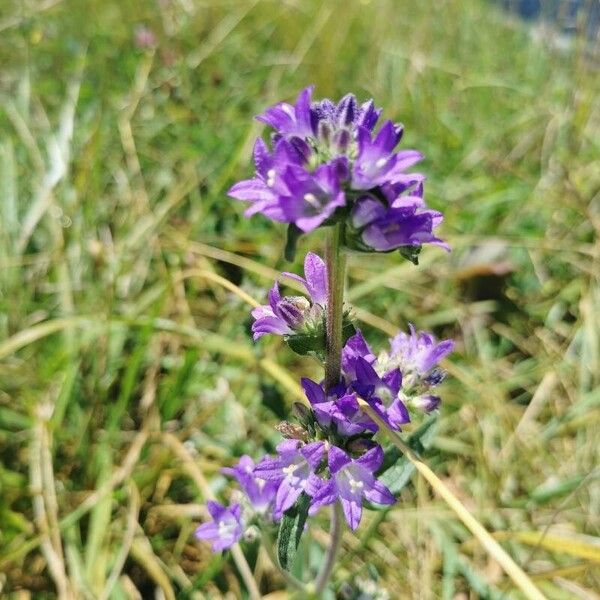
point(125, 272)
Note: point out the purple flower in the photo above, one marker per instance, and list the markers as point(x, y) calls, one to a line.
point(290, 120)
point(289, 314)
point(265, 189)
point(351, 481)
point(376, 163)
point(225, 529)
point(312, 197)
point(418, 352)
point(382, 393)
point(338, 410)
point(260, 492)
point(383, 228)
point(416, 355)
point(355, 347)
point(328, 164)
point(293, 470)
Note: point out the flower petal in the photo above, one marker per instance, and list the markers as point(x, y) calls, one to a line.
point(379, 494)
point(372, 459)
point(315, 273)
point(352, 512)
point(337, 459)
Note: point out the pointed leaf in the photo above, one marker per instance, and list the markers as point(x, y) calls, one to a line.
point(290, 531)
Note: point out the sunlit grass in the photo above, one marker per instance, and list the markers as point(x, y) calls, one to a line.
point(114, 163)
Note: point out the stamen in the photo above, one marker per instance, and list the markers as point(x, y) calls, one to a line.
point(312, 200)
point(270, 177)
point(355, 485)
point(224, 528)
point(289, 470)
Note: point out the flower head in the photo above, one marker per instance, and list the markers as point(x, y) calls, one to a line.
point(226, 527)
point(351, 481)
point(329, 163)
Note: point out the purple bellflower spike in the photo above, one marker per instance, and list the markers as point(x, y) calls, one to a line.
point(339, 409)
point(289, 314)
point(351, 481)
point(259, 492)
point(382, 393)
point(226, 527)
point(293, 470)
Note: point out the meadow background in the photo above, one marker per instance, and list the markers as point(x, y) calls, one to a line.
point(127, 373)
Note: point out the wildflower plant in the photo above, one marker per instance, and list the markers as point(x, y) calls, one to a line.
point(332, 166)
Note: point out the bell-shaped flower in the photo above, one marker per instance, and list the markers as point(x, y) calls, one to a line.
point(351, 481)
point(225, 529)
point(265, 189)
point(312, 197)
point(382, 393)
point(259, 492)
point(291, 120)
point(293, 470)
point(355, 347)
point(337, 410)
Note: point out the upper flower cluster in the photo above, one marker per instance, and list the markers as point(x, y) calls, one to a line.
point(327, 163)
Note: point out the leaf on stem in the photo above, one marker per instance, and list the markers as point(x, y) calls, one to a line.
point(290, 531)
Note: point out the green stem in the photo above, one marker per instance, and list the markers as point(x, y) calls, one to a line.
point(336, 263)
point(337, 528)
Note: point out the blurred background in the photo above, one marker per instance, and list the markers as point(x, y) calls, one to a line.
point(127, 373)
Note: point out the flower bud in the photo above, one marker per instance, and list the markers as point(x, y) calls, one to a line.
point(293, 310)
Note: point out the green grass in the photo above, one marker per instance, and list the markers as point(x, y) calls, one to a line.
point(114, 163)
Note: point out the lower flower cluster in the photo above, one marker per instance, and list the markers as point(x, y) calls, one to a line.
point(330, 454)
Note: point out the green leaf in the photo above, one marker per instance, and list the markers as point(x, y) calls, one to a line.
point(397, 469)
point(307, 343)
point(290, 531)
point(411, 253)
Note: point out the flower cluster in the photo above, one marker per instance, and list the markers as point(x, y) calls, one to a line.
point(331, 164)
point(327, 163)
point(330, 455)
point(293, 314)
point(300, 320)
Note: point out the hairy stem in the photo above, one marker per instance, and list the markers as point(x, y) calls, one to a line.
point(336, 263)
point(337, 528)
